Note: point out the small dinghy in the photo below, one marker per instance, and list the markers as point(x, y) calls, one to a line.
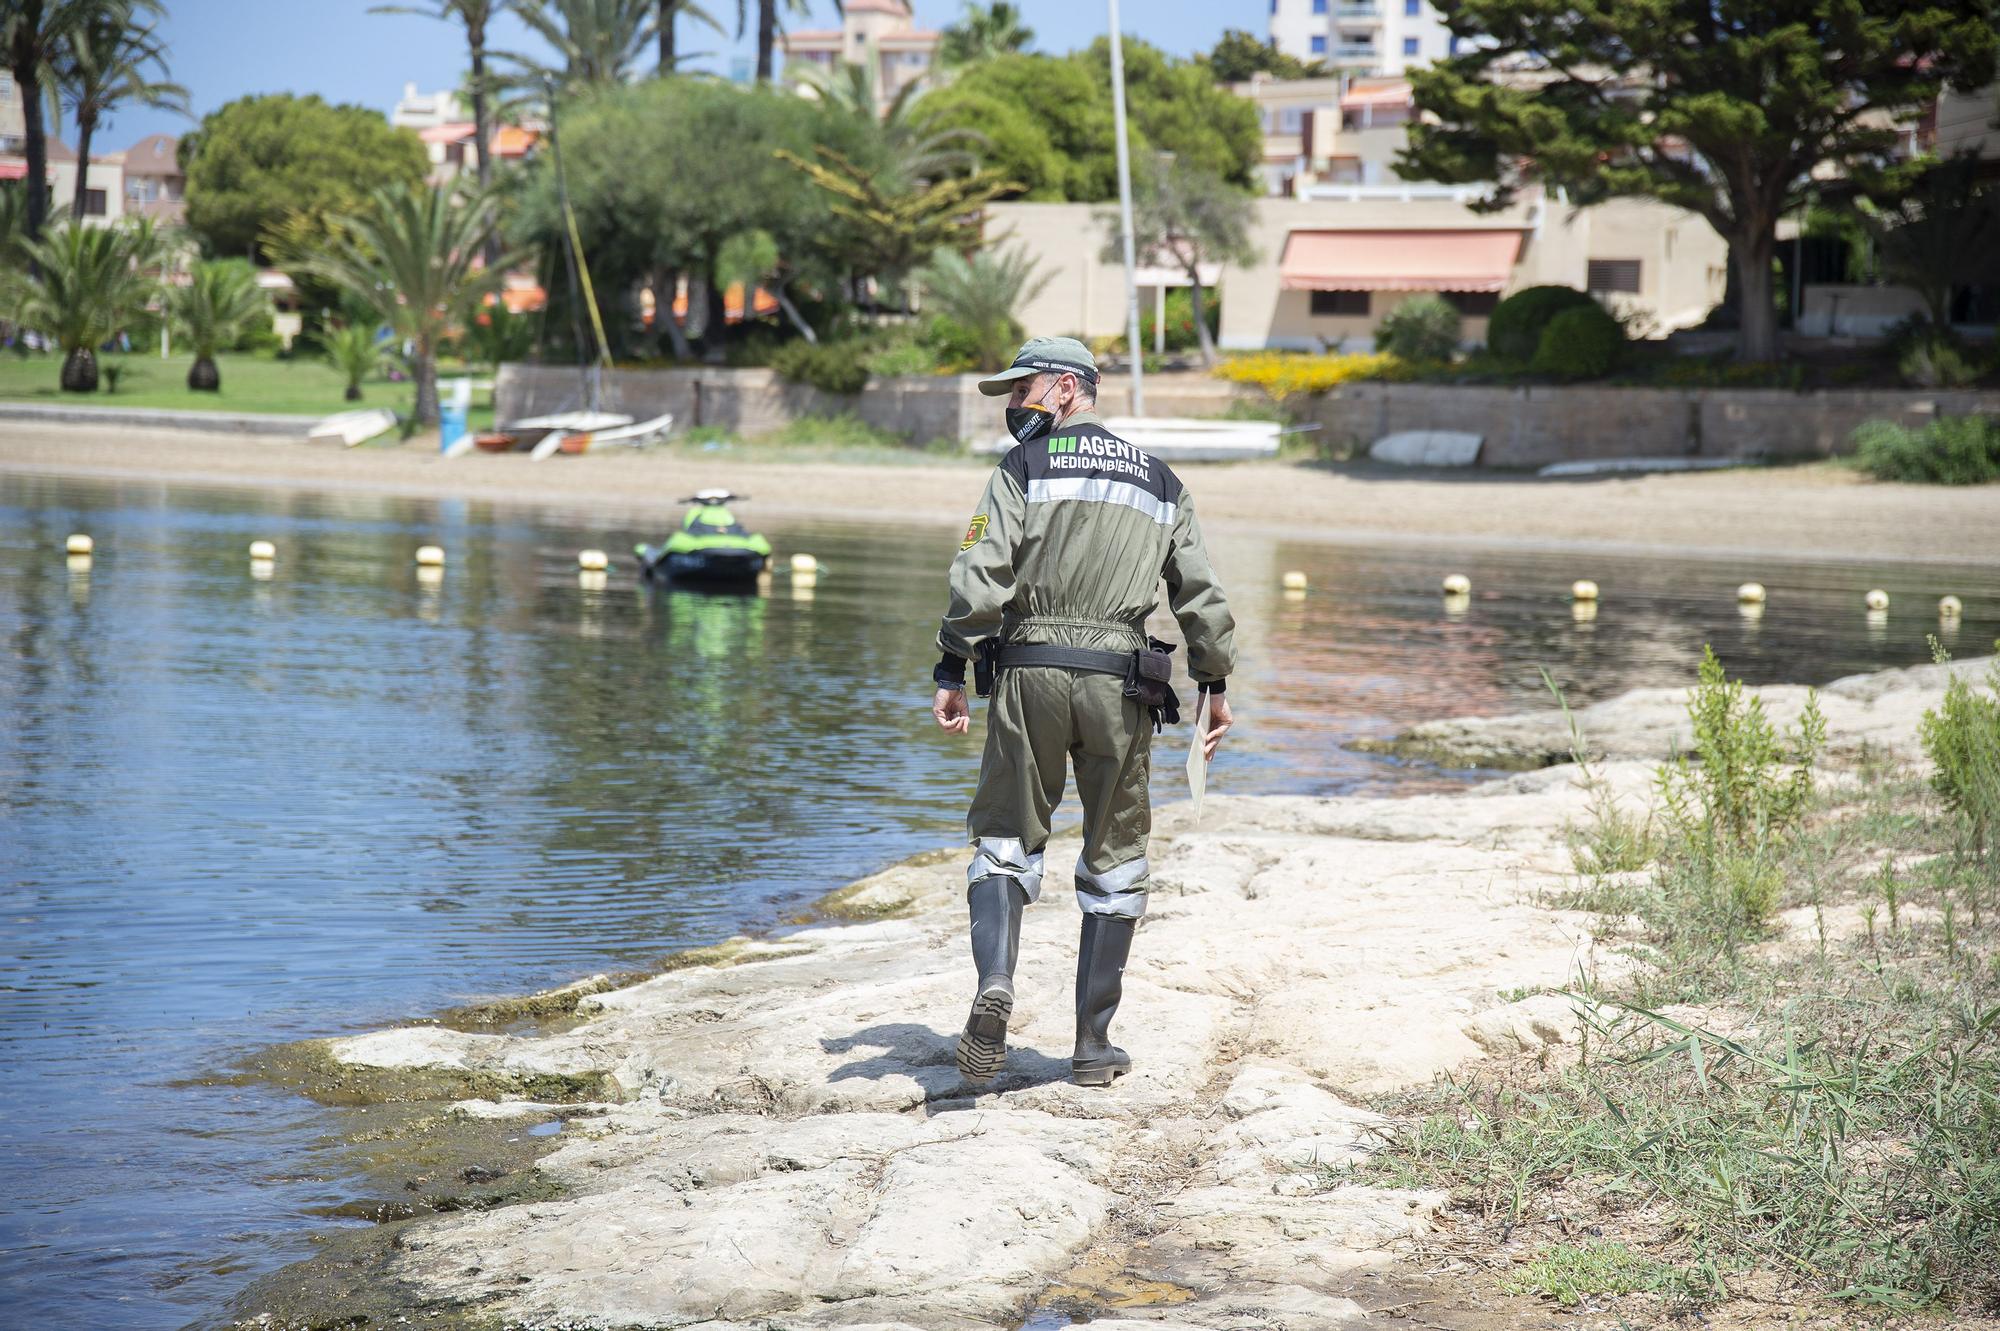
point(644, 434)
point(711, 549)
point(348, 428)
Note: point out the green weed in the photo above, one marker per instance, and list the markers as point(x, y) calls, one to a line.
point(1569, 1273)
point(1962, 739)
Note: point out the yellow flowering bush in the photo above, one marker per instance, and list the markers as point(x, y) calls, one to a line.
point(1283, 374)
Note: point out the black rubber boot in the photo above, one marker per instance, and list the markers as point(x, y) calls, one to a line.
point(1100, 982)
point(996, 904)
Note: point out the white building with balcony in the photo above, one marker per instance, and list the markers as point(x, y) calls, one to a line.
point(1360, 36)
point(880, 35)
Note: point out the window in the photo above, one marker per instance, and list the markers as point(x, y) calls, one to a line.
point(1319, 44)
point(1290, 120)
point(1327, 303)
point(1471, 304)
point(1413, 8)
point(1319, 6)
point(93, 203)
point(1409, 46)
point(1608, 275)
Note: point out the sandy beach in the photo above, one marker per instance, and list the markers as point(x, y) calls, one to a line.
point(772, 1134)
point(1819, 511)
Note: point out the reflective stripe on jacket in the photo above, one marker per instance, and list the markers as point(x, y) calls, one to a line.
point(1069, 544)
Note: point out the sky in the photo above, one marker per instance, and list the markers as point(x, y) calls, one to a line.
point(224, 49)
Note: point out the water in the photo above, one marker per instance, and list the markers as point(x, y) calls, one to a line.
point(234, 811)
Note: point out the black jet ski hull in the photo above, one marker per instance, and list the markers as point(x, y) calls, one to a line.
point(704, 568)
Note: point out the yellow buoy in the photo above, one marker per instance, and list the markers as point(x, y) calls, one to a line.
point(804, 564)
point(1878, 600)
point(430, 556)
point(1950, 608)
point(80, 544)
point(1293, 581)
point(1751, 593)
point(1458, 585)
point(263, 550)
point(593, 561)
point(1583, 589)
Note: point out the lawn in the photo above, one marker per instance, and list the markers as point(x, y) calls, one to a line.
point(250, 383)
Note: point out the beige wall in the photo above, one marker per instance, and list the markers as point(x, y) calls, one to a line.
point(107, 176)
point(1966, 122)
point(1682, 263)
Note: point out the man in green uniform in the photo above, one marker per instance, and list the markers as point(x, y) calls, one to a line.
point(1058, 571)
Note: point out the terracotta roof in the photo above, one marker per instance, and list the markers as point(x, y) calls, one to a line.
point(60, 151)
point(453, 132)
point(812, 36)
point(513, 141)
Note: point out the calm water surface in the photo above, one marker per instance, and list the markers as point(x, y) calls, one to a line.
point(235, 811)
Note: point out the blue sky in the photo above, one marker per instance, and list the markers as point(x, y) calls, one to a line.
point(224, 49)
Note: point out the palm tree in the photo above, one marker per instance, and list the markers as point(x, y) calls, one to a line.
point(87, 283)
point(983, 32)
point(107, 61)
point(913, 151)
point(474, 15)
point(597, 41)
point(981, 294)
point(356, 351)
point(673, 10)
point(413, 257)
point(220, 303)
point(34, 35)
point(767, 29)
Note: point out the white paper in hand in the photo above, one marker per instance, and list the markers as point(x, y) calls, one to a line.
point(1197, 764)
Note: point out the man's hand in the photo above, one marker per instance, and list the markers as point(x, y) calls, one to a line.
point(1217, 726)
point(949, 707)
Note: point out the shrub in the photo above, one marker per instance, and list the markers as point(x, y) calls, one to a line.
point(1954, 450)
point(1283, 374)
point(1962, 740)
point(1581, 343)
point(1937, 362)
point(831, 367)
point(1422, 328)
point(1515, 330)
point(1181, 335)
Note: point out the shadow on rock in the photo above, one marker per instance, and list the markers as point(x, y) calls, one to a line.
point(925, 1056)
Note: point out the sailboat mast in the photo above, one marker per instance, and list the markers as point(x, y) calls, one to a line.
point(579, 271)
point(1137, 353)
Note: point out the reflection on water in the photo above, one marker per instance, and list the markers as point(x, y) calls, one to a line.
point(238, 808)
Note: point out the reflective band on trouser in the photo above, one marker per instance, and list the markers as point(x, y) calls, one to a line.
point(1118, 891)
point(1007, 857)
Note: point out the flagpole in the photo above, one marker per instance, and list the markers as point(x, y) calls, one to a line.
point(1137, 353)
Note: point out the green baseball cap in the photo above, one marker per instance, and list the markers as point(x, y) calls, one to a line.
point(1043, 355)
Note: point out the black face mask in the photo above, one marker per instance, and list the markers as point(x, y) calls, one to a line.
point(1031, 422)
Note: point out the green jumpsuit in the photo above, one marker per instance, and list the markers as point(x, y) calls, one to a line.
point(1068, 547)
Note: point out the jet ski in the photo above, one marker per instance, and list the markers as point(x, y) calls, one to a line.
point(711, 548)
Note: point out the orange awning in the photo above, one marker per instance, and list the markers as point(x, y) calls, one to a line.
point(1399, 260)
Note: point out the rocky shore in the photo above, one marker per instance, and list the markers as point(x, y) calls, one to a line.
point(772, 1134)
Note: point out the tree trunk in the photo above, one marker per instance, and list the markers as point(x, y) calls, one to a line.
point(665, 291)
point(792, 313)
point(667, 44)
point(767, 37)
point(86, 127)
point(79, 371)
point(1751, 255)
point(1201, 333)
point(482, 123)
point(424, 362)
point(715, 318)
point(203, 376)
point(35, 139)
point(353, 393)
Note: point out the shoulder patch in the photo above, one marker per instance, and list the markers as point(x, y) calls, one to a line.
point(973, 533)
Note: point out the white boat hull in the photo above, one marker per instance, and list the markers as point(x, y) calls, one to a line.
point(1427, 448)
point(639, 435)
point(348, 428)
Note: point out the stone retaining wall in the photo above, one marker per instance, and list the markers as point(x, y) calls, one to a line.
point(1534, 426)
point(920, 408)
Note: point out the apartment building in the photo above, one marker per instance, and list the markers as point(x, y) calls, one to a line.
point(443, 121)
point(1344, 131)
point(1360, 36)
point(881, 35)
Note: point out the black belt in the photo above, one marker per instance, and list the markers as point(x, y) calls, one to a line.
point(1067, 658)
